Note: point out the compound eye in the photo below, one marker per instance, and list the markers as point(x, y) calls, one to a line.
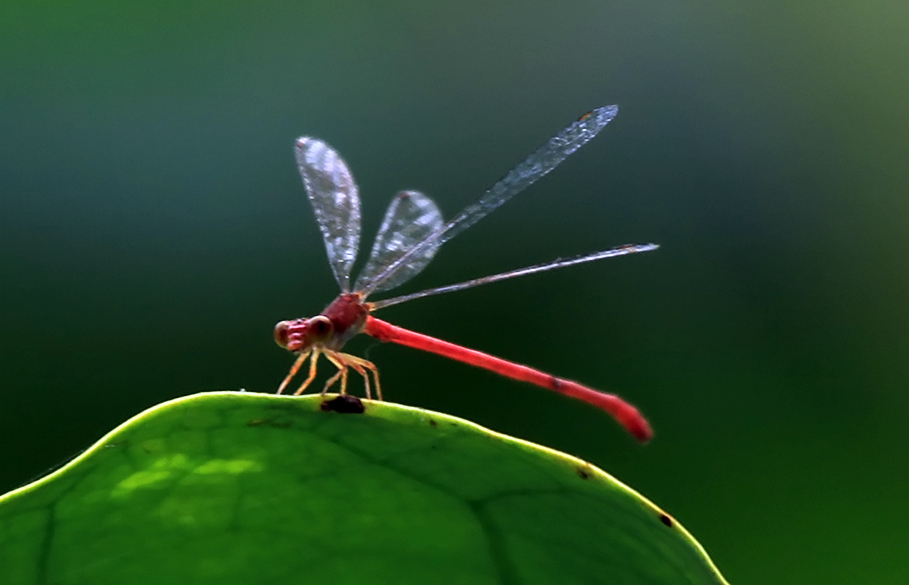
point(281, 333)
point(320, 328)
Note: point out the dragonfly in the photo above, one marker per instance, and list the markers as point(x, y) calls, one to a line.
point(409, 237)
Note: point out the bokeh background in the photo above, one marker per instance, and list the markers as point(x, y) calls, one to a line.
point(153, 228)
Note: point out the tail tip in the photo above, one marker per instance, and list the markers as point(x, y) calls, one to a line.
point(640, 430)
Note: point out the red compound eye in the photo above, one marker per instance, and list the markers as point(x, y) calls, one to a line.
point(281, 334)
point(320, 328)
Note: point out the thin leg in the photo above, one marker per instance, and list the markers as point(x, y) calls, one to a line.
point(360, 366)
point(312, 373)
point(375, 374)
point(293, 370)
point(360, 370)
point(342, 373)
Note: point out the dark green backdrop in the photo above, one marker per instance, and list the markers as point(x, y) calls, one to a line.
point(153, 228)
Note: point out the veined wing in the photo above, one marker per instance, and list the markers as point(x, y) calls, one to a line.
point(558, 263)
point(335, 201)
point(535, 166)
point(410, 218)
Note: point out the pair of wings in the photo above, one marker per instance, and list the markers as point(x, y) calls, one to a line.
point(413, 228)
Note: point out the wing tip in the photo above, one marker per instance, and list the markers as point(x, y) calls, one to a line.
point(610, 111)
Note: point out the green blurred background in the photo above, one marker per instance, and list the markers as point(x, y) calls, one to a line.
point(153, 229)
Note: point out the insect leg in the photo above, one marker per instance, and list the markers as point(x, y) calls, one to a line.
point(361, 365)
point(341, 373)
point(312, 373)
point(293, 370)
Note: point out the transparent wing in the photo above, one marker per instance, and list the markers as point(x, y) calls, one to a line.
point(558, 263)
point(335, 201)
point(410, 218)
point(535, 166)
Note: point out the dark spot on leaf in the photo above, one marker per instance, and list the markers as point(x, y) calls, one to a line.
point(433, 423)
point(583, 473)
point(271, 422)
point(666, 520)
point(345, 404)
point(283, 406)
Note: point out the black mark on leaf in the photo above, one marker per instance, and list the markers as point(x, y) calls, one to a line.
point(345, 404)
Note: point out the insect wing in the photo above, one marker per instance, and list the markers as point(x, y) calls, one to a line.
point(558, 263)
point(335, 201)
point(534, 167)
point(410, 219)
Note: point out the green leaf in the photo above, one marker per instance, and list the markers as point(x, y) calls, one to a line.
point(232, 487)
